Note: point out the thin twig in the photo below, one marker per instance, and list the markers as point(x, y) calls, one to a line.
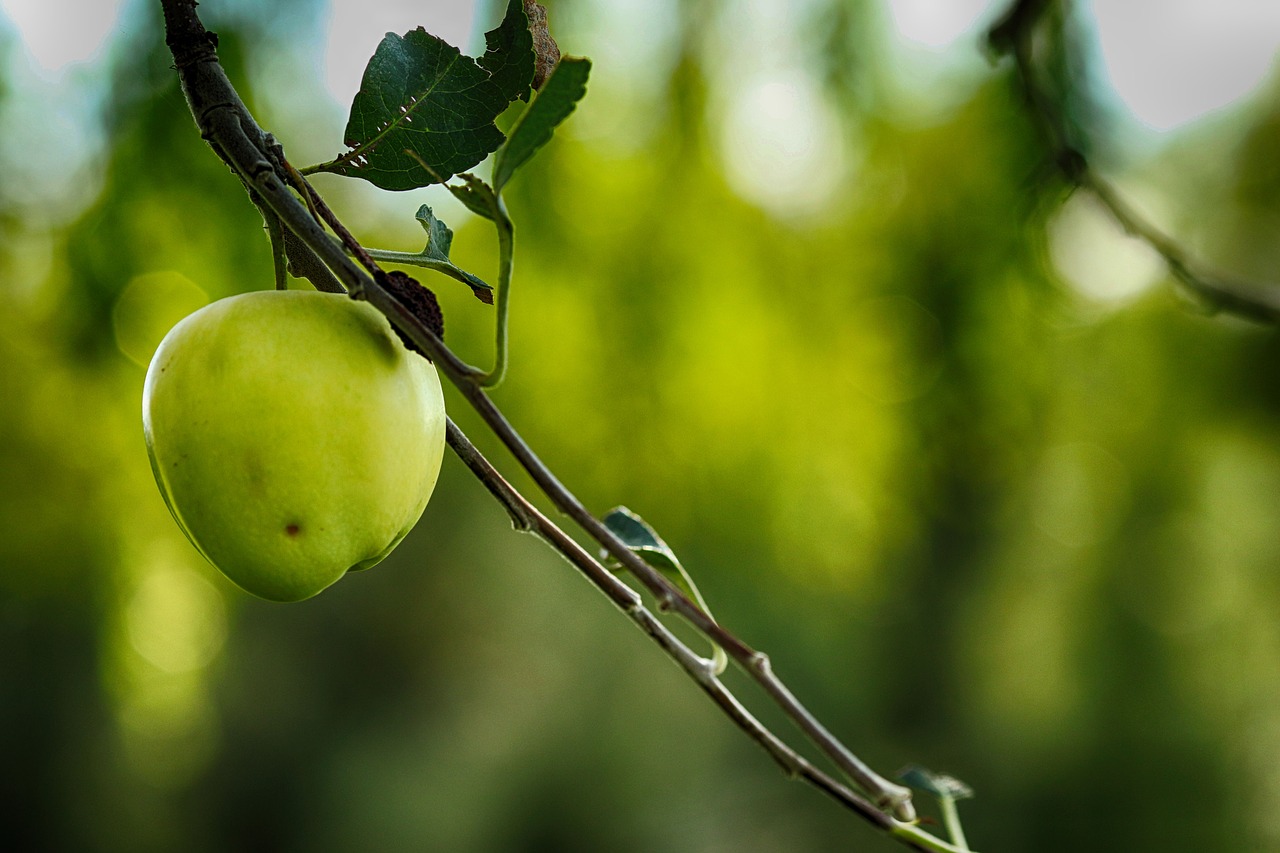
point(314, 199)
point(279, 261)
point(525, 516)
point(1015, 33)
point(227, 125)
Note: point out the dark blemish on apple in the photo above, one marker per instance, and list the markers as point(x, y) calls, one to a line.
point(292, 530)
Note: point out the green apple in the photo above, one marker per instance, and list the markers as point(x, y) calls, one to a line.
point(293, 437)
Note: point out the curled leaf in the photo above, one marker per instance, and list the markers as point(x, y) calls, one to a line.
point(546, 52)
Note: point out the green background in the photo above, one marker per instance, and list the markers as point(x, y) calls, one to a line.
point(980, 519)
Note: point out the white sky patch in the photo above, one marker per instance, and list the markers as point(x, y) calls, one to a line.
point(61, 33)
point(1173, 61)
point(936, 24)
point(355, 27)
point(1095, 257)
point(633, 45)
point(934, 55)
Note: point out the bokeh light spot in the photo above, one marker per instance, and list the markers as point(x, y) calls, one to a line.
point(935, 23)
point(51, 41)
point(148, 307)
point(783, 147)
point(176, 620)
point(1096, 258)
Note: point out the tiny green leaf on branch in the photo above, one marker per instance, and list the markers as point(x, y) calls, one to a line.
point(435, 255)
point(476, 196)
point(948, 789)
point(645, 543)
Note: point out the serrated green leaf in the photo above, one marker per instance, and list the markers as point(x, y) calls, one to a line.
point(553, 103)
point(435, 256)
point(439, 235)
point(646, 544)
point(941, 785)
point(439, 240)
point(426, 112)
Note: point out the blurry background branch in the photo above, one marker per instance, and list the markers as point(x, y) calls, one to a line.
point(1040, 36)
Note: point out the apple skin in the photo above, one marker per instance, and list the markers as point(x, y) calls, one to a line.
point(293, 437)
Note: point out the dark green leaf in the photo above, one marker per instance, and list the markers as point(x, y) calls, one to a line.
point(508, 55)
point(425, 112)
point(439, 239)
point(941, 785)
point(637, 535)
point(435, 256)
point(550, 106)
point(645, 542)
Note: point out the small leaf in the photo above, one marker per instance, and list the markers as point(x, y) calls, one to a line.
point(478, 196)
point(425, 112)
point(646, 544)
point(439, 239)
point(638, 536)
point(439, 235)
point(941, 785)
point(435, 256)
point(550, 106)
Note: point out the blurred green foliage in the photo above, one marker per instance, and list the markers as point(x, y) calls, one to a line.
point(980, 519)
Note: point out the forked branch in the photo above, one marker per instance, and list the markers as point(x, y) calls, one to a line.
point(232, 132)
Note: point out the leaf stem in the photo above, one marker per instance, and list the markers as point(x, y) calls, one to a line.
point(418, 259)
point(506, 259)
point(415, 259)
point(951, 819)
point(912, 834)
